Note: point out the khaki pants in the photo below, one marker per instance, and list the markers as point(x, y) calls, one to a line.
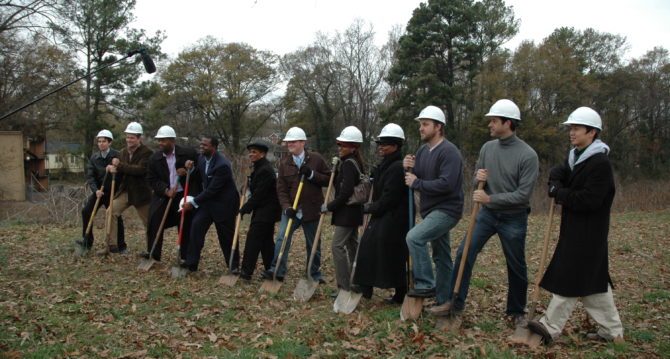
point(120, 205)
point(600, 308)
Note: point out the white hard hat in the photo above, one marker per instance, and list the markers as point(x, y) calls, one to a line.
point(585, 116)
point(392, 130)
point(295, 134)
point(105, 133)
point(181, 202)
point(166, 132)
point(432, 113)
point(351, 134)
point(505, 108)
point(134, 128)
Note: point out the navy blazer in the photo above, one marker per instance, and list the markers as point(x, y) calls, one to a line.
point(219, 196)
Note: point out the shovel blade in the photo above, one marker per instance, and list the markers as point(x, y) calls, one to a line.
point(524, 336)
point(305, 289)
point(270, 286)
point(80, 251)
point(346, 302)
point(411, 308)
point(228, 279)
point(145, 264)
point(449, 324)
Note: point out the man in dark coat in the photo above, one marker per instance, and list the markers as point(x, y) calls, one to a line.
point(95, 173)
point(584, 187)
point(311, 165)
point(383, 252)
point(165, 181)
point(217, 202)
point(133, 190)
point(266, 210)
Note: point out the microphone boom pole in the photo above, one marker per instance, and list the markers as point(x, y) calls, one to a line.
point(131, 53)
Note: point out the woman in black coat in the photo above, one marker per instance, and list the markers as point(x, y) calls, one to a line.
point(266, 211)
point(346, 217)
point(383, 251)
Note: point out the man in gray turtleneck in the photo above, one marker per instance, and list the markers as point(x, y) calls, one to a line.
point(509, 167)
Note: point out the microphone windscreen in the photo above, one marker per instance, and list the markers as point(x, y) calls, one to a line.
point(148, 63)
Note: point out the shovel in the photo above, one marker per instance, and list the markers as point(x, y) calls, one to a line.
point(108, 223)
point(452, 321)
point(230, 279)
point(306, 286)
point(177, 270)
point(411, 306)
point(347, 300)
point(146, 263)
point(82, 250)
point(523, 335)
point(272, 286)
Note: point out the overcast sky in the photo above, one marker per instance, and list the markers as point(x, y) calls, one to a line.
point(285, 26)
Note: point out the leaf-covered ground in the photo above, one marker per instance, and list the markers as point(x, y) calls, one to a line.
point(55, 305)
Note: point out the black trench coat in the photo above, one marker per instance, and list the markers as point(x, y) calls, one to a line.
point(383, 251)
point(579, 266)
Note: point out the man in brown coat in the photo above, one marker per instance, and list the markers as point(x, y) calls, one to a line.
point(134, 190)
point(316, 175)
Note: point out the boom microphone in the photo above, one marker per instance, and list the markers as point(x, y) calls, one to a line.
point(148, 63)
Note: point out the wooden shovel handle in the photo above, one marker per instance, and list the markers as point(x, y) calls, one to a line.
point(466, 247)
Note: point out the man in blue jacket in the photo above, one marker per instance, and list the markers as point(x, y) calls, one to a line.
point(217, 202)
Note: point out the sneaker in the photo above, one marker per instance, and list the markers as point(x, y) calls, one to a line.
point(235, 271)
point(539, 329)
point(421, 292)
point(144, 255)
point(517, 321)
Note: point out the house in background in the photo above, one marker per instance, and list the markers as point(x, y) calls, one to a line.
point(64, 158)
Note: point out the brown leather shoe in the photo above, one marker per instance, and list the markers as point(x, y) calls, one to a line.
point(439, 310)
point(598, 338)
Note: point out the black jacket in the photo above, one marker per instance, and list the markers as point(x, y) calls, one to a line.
point(158, 174)
point(263, 188)
point(383, 251)
point(346, 178)
point(580, 266)
point(96, 168)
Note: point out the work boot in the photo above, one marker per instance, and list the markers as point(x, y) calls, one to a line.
point(539, 329)
point(439, 310)
point(517, 321)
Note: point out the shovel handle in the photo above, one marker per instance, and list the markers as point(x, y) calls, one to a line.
point(238, 221)
point(110, 208)
point(366, 221)
point(288, 227)
point(160, 227)
point(89, 226)
point(317, 236)
point(183, 213)
point(545, 250)
point(466, 247)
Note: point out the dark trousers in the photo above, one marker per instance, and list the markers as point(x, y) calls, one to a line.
point(202, 220)
point(172, 220)
point(259, 240)
point(86, 216)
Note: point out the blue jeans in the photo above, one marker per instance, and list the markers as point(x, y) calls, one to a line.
point(511, 229)
point(309, 228)
point(434, 229)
